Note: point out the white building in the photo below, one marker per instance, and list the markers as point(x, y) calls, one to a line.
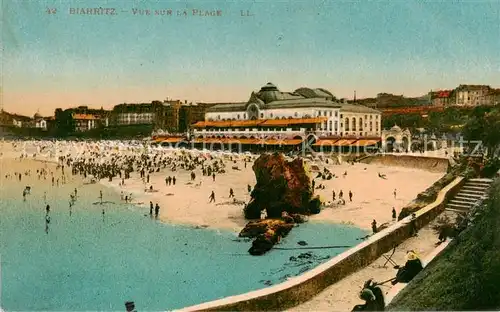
point(473, 95)
point(270, 112)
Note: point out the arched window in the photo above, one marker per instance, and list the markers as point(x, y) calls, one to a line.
point(353, 123)
point(218, 117)
point(360, 124)
point(238, 116)
point(261, 115)
point(346, 124)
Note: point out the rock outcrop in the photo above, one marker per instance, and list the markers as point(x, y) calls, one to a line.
point(267, 233)
point(281, 186)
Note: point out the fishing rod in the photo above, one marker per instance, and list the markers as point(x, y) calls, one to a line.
point(304, 248)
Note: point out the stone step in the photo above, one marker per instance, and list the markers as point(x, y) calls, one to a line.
point(464, 197)
point(456, 210)
point(458, 206)
point(462, 202)
point(474, 187)
point(481, 186)
point(472, 192)
point(481, 180)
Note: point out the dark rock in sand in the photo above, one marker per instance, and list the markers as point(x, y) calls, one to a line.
point(302, 243)
point(267, 232)
point(281, 186)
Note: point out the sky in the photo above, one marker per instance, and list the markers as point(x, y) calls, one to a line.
point(53, 56)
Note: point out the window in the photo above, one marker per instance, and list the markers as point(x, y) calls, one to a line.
point(296, 114)
point(218, 117)
point(330, 113)
point(261, 115)
point(337, 114)
point(360, 124)
point(271, 114)
point(353, 123)
point(238, 116)
point(371, 126)
point(330, 124)
point(336, 125)
point(346, 124)
point(245, 116)
point(341, 116)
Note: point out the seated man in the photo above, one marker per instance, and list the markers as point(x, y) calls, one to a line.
point(412, 267)
point(373, 297)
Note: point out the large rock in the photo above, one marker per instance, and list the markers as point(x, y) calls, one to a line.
point(267, 233)
point(281, 186)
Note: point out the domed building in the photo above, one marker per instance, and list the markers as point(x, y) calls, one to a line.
point(396, 139)
point(289, 118)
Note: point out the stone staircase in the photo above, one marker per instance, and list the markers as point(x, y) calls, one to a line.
point(472, 192)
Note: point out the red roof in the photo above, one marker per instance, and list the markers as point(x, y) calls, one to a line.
point(443, 94)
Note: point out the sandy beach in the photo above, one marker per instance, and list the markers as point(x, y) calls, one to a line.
point(188, 202)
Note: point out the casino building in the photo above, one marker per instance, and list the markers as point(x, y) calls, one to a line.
point(272, 119)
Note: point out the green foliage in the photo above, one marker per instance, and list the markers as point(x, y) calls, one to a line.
point(64, 123)
point(466, 275)
point(484, 125)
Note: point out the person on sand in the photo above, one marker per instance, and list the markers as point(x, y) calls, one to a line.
point(173, 180)
point(213, 177)
point(263, 214)
point(413, 225)
point(231, 193)
point(157, 210)
point(212, 197)
point(47, 209)
point(341, 194)
point(150, 208)
point(313, 184)
point(374, 226)
point(393, 214)
point(333, 195)
point(395, 193)
point(350, 196)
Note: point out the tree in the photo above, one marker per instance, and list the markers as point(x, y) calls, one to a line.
point(64, 122)
point(484, 126)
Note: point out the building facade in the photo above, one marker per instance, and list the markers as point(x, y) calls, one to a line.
point(272, 113)
point(442, 98)
point(138, 114)
point(85, 122)
point(473, 95)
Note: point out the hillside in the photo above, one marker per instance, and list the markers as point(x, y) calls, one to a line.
point(467, 275)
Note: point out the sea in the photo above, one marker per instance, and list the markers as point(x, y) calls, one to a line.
point(84, 259)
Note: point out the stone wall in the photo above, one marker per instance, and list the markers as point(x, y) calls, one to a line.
point(307, 285)
point(433, 164)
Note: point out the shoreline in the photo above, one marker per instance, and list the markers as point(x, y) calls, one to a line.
point(187, 202)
